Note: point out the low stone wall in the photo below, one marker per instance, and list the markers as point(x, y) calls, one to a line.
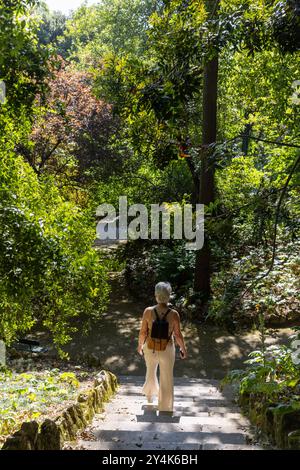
point(51, 434)
point(280, 423)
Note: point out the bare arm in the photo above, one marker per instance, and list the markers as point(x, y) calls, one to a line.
point(143, 331)
point(178, 335)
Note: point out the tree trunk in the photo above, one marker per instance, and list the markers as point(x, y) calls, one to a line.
point(207, 190)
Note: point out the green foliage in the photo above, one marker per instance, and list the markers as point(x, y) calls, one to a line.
point(117, 26)
point(142, 181)
point(271, 374)
point(149, 263)
point(145, 61)
point(275, 296)
point(31, 396)
point(23, 62)
point(49, 272)
point(256, 91)
point(286, 25)
point(158, 96)
point(52, 25)
point(174, 263)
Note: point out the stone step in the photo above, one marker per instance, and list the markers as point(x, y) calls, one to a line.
point(178, 392)
point(204, 418)
point(123, 379)
point(168, 441)
point(96, 445)
point(212, 426)
point(212, 404)
point(182, 413)
point(185, 421)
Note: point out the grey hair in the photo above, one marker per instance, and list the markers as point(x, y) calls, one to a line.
point(162, 292)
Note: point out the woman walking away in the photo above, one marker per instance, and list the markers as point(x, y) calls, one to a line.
point(160, 325)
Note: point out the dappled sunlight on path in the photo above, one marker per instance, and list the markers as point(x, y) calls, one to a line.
point(212, 351)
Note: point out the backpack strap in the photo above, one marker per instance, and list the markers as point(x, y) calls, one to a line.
point(157, 317)
point(170, 336)
point(169, 310)
point(164, 315)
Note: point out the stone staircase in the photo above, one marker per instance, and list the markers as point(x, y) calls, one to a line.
point(204, 418)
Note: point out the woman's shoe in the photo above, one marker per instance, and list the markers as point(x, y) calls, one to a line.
point(166, 413)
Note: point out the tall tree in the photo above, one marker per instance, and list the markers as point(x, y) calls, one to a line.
point(207, 172)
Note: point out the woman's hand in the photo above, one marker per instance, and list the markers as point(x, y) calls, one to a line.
point(183, 353)
point(178, 336)
point(140, 350)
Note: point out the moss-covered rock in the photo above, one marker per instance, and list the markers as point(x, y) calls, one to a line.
point(268, 422)
point(25, 438)
point(63, 426)
point(17, 441)
point(294, 440)
point(31, 430)
point(286, 421)
point(50, 436)
point(256, 410)
point(77, 416)
point(280, 422)
point(70, 425)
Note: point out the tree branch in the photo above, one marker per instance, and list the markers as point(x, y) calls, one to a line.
point(283, 144)
point(267, 141)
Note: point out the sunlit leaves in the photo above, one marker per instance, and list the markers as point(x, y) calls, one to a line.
point(48, 269)
point(23, 63)
point(271, 376)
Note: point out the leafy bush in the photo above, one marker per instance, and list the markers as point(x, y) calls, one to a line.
point(175, 264)
point(268, 372)
point(49, 272)
point(272, 372)
point(276, 295)
point(148, 263)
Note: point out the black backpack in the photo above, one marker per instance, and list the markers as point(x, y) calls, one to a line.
point(160, 327)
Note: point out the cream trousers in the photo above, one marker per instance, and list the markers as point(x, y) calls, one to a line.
point(165, 388)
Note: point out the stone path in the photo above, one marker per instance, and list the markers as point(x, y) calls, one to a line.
point(204, 418)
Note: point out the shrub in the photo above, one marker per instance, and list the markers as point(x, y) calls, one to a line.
point(49, 272)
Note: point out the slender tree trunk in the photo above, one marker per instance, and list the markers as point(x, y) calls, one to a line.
point(207, 189)
point(246, 135)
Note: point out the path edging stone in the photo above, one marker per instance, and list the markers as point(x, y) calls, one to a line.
point(280, 424)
